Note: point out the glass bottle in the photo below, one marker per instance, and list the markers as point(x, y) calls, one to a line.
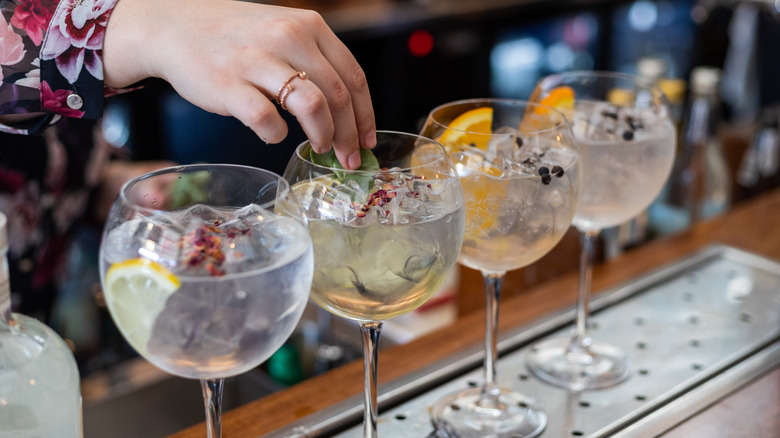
point(759, 170)
point(700, 184)
point(40, 393)
point(709, 192)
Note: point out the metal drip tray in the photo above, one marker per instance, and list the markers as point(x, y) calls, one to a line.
point(694, 330)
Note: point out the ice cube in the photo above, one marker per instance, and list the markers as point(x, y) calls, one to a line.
point(199, 323)
point(466, 162)
point(559, 156)
point(502, 144)
point(259, 239)
point(402, 201)
point(201, 246)
point(639, 123)
point(529, 157)
point(390, 212)
point(326, 198)
point(191, 217)
point(598, 121)
point(120, 244)
point(438, 198)
point(524, 189)
point(146, 237)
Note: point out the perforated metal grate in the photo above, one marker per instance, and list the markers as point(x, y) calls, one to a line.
point(694, 331)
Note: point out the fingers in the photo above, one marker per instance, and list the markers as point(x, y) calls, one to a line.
point(310, 106)
point(237, 55)
point(250, 106)
point(356, 83)
point(319, 100)
point(333, 102)
point(331, 66)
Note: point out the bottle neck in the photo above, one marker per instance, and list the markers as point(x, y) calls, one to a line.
point(702, 118)
point(5, 291)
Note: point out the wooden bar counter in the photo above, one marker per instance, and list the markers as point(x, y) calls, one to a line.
point(752, 411)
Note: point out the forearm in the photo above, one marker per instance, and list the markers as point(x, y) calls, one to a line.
point(128, 49)
point(228, 57)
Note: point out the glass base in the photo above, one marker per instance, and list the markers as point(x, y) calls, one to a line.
point(464, 415)
point(600, 365)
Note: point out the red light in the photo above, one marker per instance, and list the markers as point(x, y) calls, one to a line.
point(420, 43)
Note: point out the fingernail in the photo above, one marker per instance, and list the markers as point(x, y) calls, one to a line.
point(354, 160)
point(319, 149)
point(371, 139)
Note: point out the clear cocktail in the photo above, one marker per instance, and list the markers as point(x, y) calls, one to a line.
point(627, 141)
point(627, 154)
point(206, 270)
point(242, 279)
point(386, 260)
point(386, 236)
point(520, 171)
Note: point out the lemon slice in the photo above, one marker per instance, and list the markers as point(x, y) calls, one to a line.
point(135, 292)
point(469, 129)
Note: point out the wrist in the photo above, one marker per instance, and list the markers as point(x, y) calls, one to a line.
point(128, 50)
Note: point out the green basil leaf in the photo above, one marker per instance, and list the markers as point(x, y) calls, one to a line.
point(368, 162)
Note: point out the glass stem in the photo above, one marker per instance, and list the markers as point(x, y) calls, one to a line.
point(490, 390)
point(212, 398)
point(370, 331)
point(580, 340)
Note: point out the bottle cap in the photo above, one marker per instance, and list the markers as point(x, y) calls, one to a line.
point(651, 68)
point(705, 79)
point(3, 232)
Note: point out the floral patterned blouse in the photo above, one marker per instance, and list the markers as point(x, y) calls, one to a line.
point(50, 63)
point(51, 58)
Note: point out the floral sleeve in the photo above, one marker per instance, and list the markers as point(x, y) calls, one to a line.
point(51, 60)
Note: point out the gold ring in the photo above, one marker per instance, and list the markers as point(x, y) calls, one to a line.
point(287, 87)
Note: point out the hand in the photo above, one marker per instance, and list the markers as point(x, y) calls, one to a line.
point(231, 58)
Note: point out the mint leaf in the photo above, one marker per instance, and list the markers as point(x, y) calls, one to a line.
point(327, 159)
point(368, 162)
point(190, 188)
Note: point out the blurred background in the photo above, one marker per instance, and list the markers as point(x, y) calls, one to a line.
point(418, 54)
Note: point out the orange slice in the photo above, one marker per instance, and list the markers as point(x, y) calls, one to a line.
point(559, 98)
point(469, 129)
point(483, 192)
